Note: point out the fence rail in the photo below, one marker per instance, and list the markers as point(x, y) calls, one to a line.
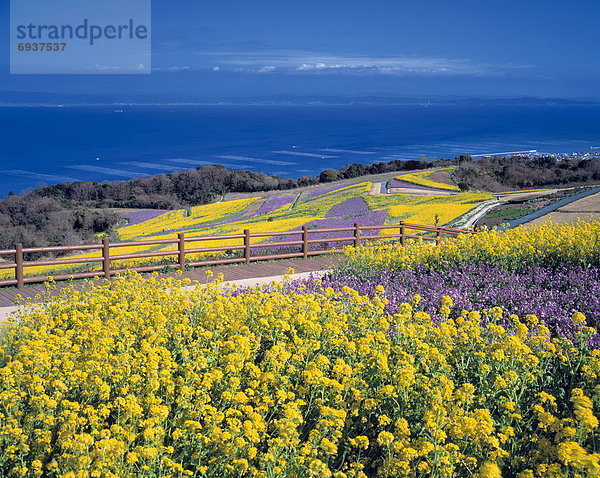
point(19, 264)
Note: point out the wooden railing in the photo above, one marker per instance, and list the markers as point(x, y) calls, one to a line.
point(182, 242)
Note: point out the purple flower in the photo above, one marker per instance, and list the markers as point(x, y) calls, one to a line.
point(552, 294)
point(313, 193)
point(368, 218)
point(394, 183)
point(350, 207)
point(274, 203)
point(136, 217)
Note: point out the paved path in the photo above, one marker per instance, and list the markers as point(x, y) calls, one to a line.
point(246, 274)
point(471, 217)
point(6, 312)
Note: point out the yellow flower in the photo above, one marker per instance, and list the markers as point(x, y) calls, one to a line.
point(526, 474)
point(317, 468)
point(490, 470)
point(385, 438)
point(360, 441)
point(329, 447)
point(141, 377)
point(583, 408)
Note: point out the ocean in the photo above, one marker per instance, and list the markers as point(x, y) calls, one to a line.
point(49, 145)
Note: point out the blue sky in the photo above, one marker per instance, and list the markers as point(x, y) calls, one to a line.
point(326, 47)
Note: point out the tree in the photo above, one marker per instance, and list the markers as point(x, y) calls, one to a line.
point(329, 175)
point(353, 170)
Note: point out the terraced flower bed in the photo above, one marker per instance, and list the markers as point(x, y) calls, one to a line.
point(396, 184)
point(137, 217)
point(425, 179)
point(324, 207)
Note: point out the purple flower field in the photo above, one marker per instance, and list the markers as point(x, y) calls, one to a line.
point(370, 218)
point(136, 217)
point(274, 203)
point(553, 295)
point(367, 218)
point(394, 183)
point(350, 207)
point(313, 193)
point(269, 205)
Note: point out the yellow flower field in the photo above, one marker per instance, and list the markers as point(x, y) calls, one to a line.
point(143, 379)
point(548, 244)
point(422, 179)
point(198, 215)
point(428, 210)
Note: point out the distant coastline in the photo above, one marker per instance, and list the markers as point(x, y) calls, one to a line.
point(35, 100)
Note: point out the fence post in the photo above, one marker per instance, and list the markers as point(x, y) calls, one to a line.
point(304, 241)
point(402, 234)
point(438, 236)
point(356, 234)
point(181, 248)
point(106, 257)
point(247, 245)
point(19, 265)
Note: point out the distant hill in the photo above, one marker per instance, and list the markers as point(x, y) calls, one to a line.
point(28, 98)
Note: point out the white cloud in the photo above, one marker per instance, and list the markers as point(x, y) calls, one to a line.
point(107, 67)
point(136, 67)
point(314, 66)
point(306, 62)
point(174, 68)
point(395, 66)
point(216, 68)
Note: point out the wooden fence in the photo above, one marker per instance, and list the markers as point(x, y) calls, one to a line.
point(357, 234)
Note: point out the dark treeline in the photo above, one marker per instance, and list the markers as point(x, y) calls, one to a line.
point(500, 173)
point(38, 221)
point(72, 213)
